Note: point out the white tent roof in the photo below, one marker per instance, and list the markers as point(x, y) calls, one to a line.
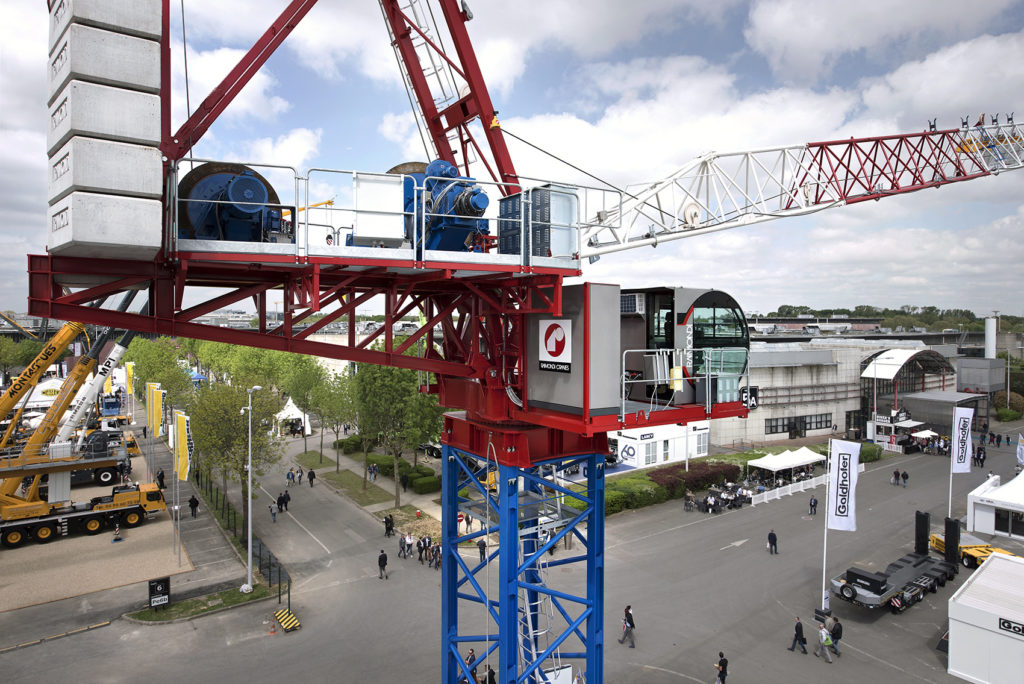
point(786, 460)
point(290, 412)
point(886, 365)
point(1010, 495)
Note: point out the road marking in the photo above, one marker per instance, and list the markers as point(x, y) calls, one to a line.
point(886, 662)
point(671, 672)
point(296, 521)
point(668, 529)
point(736, 544)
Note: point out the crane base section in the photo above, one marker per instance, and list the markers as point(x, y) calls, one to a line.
point(496, 597)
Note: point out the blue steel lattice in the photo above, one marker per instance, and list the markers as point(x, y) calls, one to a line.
point(503, 607)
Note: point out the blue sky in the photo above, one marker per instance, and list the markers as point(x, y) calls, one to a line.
point(630, 92)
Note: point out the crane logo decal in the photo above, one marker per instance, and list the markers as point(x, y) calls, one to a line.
point(555, 349)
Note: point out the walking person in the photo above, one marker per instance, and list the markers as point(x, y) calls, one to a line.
point(287, 499)
point(280, 502)
point(904, 477)
point(289, 477)
point(999, 440)
point(723, 668)
point(143, 432)
point(824, 641)
point(836, 633)
point(798, 637)
point(311, 476)
point(470, 657)
point(160, 479)
point(273, 512)
point(193, 504)
point(895, 478)
point(298, 475)
point(628, 625)
point(481, 544)
point(773, 542)
point(409, 543)
point(382, 565)
point(404, 480)
point(813, 506)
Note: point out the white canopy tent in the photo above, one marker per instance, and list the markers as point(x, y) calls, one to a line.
point(786, 460)
point(291, 412)
point(924, 434)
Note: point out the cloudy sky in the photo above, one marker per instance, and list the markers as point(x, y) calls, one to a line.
point(628, 91)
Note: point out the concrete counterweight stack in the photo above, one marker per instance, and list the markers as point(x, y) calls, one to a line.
point(105, 168)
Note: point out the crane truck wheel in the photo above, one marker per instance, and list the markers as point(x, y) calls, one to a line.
point(14, 537)
point(93, 525)
point(132, 518)
point(45, 533)
point(849, 592)
point(105, 476)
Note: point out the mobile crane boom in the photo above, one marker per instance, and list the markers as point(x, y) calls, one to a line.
point(30, 376)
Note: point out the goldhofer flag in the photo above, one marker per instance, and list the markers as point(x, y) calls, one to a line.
point(844, 460)
point(960, 462)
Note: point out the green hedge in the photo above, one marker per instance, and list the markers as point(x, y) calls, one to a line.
point(1005, 415)
point(426, 485)
point(349, 445)
point(386, 463)
point(657, 485)
point(870, 452)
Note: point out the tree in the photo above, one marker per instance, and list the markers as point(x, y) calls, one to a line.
point(9, 358)
point(336, 407)
point(157, 361)
point(300, 377)
point(220, 429)
point(384, 395)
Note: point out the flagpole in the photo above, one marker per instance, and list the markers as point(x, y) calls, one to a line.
point(824, 544)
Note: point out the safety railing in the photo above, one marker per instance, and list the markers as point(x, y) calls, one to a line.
point(793, 488)
point(676, 373)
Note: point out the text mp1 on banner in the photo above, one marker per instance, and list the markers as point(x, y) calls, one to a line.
point(844, 460)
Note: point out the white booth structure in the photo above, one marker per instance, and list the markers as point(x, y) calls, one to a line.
point(986, 624)
point(995, 509)
point(661, 444)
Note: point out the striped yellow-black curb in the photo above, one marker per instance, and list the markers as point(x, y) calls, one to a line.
point(55, 636)
point(287, 620)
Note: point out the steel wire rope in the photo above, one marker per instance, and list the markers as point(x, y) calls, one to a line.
point(184, 51)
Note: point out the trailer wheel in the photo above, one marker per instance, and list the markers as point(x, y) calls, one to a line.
point(93, 525)
point(45, 533)
point(849, 592)
point(969, 562)
point(105, 476)
point(14, 537)
point(132, 518)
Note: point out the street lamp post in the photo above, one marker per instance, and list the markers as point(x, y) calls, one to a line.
point(247, 587)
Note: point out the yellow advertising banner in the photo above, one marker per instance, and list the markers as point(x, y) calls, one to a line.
point(153, 395)
point(158, 410)
point(183, 446)
point(129, 376)
point(108, 385)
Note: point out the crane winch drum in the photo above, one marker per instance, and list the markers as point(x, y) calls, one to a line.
point(449, 208)
point(232, 202)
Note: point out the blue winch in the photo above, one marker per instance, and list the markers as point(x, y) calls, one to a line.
point(448, 208)
point(218, 201)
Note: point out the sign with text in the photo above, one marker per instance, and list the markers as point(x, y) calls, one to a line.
point(961, 438)
point(844, 459)
point(748, 396)
point(555, 349)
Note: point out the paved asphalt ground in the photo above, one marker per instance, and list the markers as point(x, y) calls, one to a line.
point(698, 584)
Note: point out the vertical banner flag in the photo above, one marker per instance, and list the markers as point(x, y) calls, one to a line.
point(960, 462)
point(185, 446)
point(129, 376)
point(1020, 448)
point(158, 410)
point(108, 385)
point(842, 485)
point(151, 388)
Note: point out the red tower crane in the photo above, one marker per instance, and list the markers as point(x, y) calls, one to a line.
point(489, 315)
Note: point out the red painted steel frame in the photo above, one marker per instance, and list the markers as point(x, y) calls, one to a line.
point(476, 104)
point(177, 146)
point(862, 169)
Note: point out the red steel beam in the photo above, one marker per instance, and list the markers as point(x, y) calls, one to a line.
point(178, 145)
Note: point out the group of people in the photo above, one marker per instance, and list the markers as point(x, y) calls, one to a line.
point(372, 471)
point(428, 550)
point(978, 456)
point(830, 633)
point(898, 477)
point(996, 439)
point(471, 665)
point(280, 505)
point(294, 476)
point(935, 445)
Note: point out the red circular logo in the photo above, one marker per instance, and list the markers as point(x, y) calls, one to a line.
point(554, 340)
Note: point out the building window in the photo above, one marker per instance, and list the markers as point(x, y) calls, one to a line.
point(664, 450)
point(650, 453)
point(820, 421)
point(702, 444)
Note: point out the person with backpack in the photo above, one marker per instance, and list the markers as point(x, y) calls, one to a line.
point(824, 642)
point(628, 625)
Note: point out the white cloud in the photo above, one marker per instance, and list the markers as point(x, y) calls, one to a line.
point(802, 40)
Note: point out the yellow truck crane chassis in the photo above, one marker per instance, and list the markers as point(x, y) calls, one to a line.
point(128, 505)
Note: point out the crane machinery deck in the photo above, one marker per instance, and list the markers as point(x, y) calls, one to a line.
point(535, 372)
